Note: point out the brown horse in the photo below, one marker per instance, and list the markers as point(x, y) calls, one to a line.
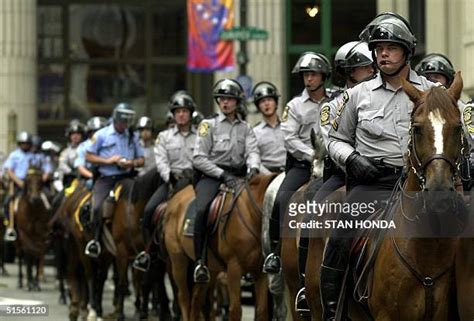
point(413, 276)
point(421, 269)
point(32, 215)
point(125, 228)
point(79, 269)
point(234, 248)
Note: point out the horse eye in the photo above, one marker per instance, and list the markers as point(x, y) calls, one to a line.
point(417, 130)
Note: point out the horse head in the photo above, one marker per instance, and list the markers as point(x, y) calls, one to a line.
point(34, 184)
point(436, 145)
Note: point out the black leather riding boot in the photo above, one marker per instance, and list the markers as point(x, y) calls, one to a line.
point(336, 259)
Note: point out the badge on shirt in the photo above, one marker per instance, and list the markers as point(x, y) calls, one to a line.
point(284, 116)
point(467, 115)
point(325, 115)
point(203, 129)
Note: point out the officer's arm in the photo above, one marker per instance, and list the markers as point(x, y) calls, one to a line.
point(161, 157)
point(342, 133)
point(63, 162)
point(202, 149)
point(252, 153)
point(139, 159)
point(327, 117)
point(83, 171)
point(293, 143)
point(18, 182)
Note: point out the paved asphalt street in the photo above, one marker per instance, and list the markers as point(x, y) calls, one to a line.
point(49, 295)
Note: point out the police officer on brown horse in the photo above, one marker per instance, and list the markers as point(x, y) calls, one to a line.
point(300, 116)
point(226, 148)
point(369, 139)
point(271, 142)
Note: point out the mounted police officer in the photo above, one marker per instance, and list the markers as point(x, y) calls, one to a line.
point(226, 148)
point(173, 153)
point(16, 167)
point(84, 168)
point(369, 138)
point(353, 62)
point(268, 132)
point(299, 117)
point(438, 68)
point(116, 151)
point(75, 133)
point(145, 130)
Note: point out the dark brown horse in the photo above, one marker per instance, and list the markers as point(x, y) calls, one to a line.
point(79, 270)
point(234, 248)
point(125, 228)
point(32, 215)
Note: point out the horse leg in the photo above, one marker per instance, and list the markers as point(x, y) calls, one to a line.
point(234, 274)
point(179, 268)
point(38, 263)
point(121, 262)
point(313, 265)
point(20, 271)
point(465, 279)
point(146, 286)
point(162, 296)
point(137, 279)
point(29, 271)
point(261, 298)
point(74, 286)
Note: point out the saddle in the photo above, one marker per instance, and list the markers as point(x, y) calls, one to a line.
point(215, 211)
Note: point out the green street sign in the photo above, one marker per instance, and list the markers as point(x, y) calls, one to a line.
point(244, 33)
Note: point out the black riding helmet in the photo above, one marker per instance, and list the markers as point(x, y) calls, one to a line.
point(436, 63)
point(228, 88)
point(311, 61)
point(182, 99)
point(95, 123)
point(124, 113)
point(75, 126)
point(264, 89)
point(390, 27)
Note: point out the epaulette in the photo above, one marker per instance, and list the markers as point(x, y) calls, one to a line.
point(258, 123)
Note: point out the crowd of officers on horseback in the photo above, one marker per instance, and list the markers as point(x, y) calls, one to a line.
point(363, 125)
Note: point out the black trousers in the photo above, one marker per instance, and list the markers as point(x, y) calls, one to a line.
point(158, 197)
point(336, 254)
point(333, 183)
point(294, 179)
point(206, 189)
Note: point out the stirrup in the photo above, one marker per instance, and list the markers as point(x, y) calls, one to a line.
point(302, 308)
point(201, 274)
point(142, 262)
point(272, 258)
point(10, 235)
point(93, 254)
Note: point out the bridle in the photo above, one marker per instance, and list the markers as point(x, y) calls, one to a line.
point(419, 166)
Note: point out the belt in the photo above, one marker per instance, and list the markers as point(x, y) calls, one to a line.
point(390, 170)
point(276, 169)
point(118, 177)
point(234, 170)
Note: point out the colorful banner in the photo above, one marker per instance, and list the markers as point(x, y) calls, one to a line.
point(206, 19)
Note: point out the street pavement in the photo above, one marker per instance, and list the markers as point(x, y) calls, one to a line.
point(10, 294)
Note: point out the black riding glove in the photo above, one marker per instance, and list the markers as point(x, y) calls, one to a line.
point(361, 168)
point(251, 173)
point(229, 179)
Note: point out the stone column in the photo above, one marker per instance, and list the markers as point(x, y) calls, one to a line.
point(18, 79)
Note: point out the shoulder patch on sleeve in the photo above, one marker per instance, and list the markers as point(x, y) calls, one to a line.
point(284, 115)
point(203, 129)
point(467, 117)
point(325, 111)
point(345, 99)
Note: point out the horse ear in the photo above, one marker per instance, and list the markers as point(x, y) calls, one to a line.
point(411, 90)
point(456, 87)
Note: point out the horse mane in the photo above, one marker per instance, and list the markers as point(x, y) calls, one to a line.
point(145, 186)
point(438, 99)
